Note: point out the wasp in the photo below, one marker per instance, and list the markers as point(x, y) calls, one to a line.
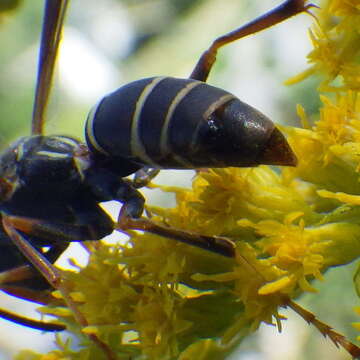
point(51, 186)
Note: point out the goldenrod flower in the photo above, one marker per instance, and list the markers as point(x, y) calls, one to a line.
point(154, 298)
point(336, 49)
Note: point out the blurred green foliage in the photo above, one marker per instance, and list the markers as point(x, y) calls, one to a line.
point(19, 31)
point(9, 5)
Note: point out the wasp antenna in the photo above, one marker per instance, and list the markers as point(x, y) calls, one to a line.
point(54, 15)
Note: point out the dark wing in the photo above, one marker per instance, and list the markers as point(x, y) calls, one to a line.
point(54, 15)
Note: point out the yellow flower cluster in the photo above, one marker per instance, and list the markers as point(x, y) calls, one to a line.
point(158, 299)
point(335, 54)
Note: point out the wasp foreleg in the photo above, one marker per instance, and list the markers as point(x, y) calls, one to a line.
point(129, 218)
point(144, 176)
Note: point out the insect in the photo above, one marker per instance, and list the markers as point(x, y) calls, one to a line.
point(51, 186)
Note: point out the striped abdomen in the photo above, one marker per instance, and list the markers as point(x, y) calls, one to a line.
point(177, 123)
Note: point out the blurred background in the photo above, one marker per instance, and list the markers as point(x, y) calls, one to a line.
point(111, 42)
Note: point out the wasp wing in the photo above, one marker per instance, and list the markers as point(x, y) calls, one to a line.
point(54, 15)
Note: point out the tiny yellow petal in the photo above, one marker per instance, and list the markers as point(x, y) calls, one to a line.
point(57, 294)
point(275, 286)
point(58, 311)
point(90, 330)
point(78, 296)
point(303, 118)
point(304, 284)
point(343, 197)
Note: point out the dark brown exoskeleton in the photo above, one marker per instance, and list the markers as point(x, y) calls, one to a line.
point(51, 186)
point(165, 122)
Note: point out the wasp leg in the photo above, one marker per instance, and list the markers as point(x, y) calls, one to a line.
point(38, 260)
point(34, 324)
point(18, 273)
point(280, 13)
point(129, 218)
point(217, 244)
point(25, 281)
point(35, 296)
point(53, 276)
point(97, 226)
point(48, 230)
point(133, 202)
point(144, 176)
point(106, 187)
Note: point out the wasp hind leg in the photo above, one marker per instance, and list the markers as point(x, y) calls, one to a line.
point(280, 13)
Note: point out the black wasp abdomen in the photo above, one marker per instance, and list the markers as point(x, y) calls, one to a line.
point(152, 121)
point(175, 123)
